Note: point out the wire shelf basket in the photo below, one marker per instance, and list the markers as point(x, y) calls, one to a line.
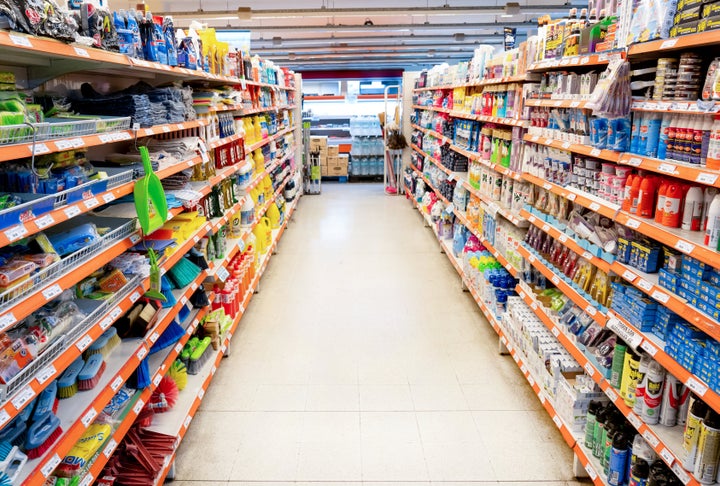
point(11, 134)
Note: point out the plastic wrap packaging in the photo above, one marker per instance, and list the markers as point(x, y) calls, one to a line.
point(651, 20)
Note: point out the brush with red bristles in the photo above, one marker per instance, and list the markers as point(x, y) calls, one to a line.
point(41, 435)
point(91, 373)
point(165, 395)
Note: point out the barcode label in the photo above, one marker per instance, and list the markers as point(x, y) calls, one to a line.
point(563, 238)
point(4, 417)
point(154, 337)
point(595, 152)
point(83, 343)
point(629, 276)
point(117, 382)
point(589, 368)
point(91, 203)
point(138, 407)
point(587, 255)
point(634, 420)
point(44, 222)
point(50, 466)
point(682, 475)
point(555, 279)
point(612, 394)
point(109, 197)
point(82, 52)
point(684, 246)
point(649, 348)
point(188, 419)
point(22, 397)
point(591, 310)
point(39, 149)
point(644, 284)
point(705, 178)
point(651, 439)
point(135, 297)
point(45, 374)
point(110, 448)
point(141, 353)
point(183, 300)
point(178, 347)
point(591, 471)
point(555, 331)
point(201, 393)
point(666, 168)
point(89, 417)
point(105, 323)
point(668, 44)
point(632, 223)
point(634, 161)
point(696, 386)
point(531, 380)
point(16, 232)
point(52, 292)
point(115, 313)
point(570, 196)
point(660, 296)
point(667, 456)
point(23, 41)
point(594, 206)
point(157, 380)
point(72, 211)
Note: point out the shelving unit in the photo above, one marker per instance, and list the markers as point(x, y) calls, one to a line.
point(79, 411)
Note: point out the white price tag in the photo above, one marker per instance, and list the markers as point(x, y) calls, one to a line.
point(20, 40)
point(594, 206)
point(563, 238)
point(547, 186)
point(16, 232)
point(682, 475)
point(625, 332)
point(632, 223)
point(566, 145)
point(115, 313)
point(88, 480)
point(531, 380)
point(193, 286)
point(587, 255)
point(574, 104)
point(557, 421)
point(535, 138)
point(45, 221)
point(570, 196)
point(213, 370)
point(154, 337)
point(76, 142)
point(705, 178)
point(684, 246)
point(22, 397)
point(660, 296)
point(531, 258)
point(668, 44)
point(4, 417)
point(7, 320)
point(81, 52)
point(72, 211)
point(141, 353)
point(591, 310)
point(50, 465)
point(84, 342)
point(595, 152)
point(134, 238)
point(523, 368)
point(634, 420)
point(666, 168)
point(45, 374)
point(629, 276)
point(106, 137)
point(555, 331)
point(546, 227)
point(591, 471)
point(89, 417)
point(201, 393)
point(52, 292)
point(166, 129)
point(105, 323)
point(109, 197)
point(91, 203)
point(644, 284)
point(188, 419)
point(135, 296)
point(39, 149)
point(109, 448)
point(184, 300)
point(696, 386)
point(138, 407)
point(117, 382)
point(178, 348)
point(157, 380)
point(555, 279)
point(649, 348)
point(541, 396)
point(63, 145)
point(589, 368)
point(667, 456)
point(651, 439)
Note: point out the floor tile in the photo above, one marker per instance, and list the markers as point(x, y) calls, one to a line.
point(385, 398)
point(389, 427)
point(393, 461)
point(332, 398)
point(458, 461)
point(330, 427)
point(447, 427)
point(447, 396)
point(329, 461)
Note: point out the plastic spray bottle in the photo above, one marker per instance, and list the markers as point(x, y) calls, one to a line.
point(708, 196)
point(673, 199)
point(653, 135)
point(660, 206)
point(692, 209)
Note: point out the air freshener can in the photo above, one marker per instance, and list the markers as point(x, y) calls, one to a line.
point(708, 449)
point(642, 383)
point(655, 379)
point(672, 395)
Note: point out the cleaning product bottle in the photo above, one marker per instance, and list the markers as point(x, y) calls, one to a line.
point(708, 196)
point(646, 197)
point(639, 473)
point(708, 449)
point(617, 470)
point(673, 199)
point(645, 360)
point(590, 420)
point(617, 364)
point(712, 229)
point(698, 410)
point(663, 137)
point(692, 209)
point(643, 133)
point(131, 19)
point(629, 377)
point(170, 45)
point(653, 135)
point(660, 206)
point(712, 160)
point(654, 381)
point(599, 431)
point(707, 127)
point(671, 138)
point(628, 198)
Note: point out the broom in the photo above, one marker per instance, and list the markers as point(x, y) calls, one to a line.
point(170, 336)
point(184, 273)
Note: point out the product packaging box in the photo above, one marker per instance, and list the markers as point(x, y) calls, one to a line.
point(333, 150)
point(318, 144)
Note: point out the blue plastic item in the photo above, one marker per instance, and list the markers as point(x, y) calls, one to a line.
point(45, 402)
point(74, 239)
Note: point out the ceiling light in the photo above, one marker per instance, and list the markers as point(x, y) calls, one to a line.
point(368, 22)
point(512, 8)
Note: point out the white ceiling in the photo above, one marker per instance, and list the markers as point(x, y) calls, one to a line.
point(327, 34)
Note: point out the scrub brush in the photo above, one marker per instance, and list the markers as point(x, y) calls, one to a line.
point(142, 375)
point(170, 336)
point(46, 402)
point(188, 350)
point(11, 461)
point(199, 356)
point(178, 372)
point(184, 273)
point(166, 289)
point(5, 480)
point(41, 436)
point(91, 373)
point(107, 341)
point(165, 395)
point(67, 384)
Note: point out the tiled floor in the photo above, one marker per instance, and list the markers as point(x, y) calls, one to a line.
point(362, 362)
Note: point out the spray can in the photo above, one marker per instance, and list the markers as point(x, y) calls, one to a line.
point(692, 209)
point(630, 377)
point(708, 449)
point(673, 198)
point(698, 409)
point(641, 451)
point(639, 473)
point(709, 194)
point(642, 382)
point(591, 419)
point(612, 429)
point(655, 379)
point(663, 138)
point(617, 469)
point(672, 395)
point(599, 432)
point(684, 407)
point(712, 227)
point(617, 364)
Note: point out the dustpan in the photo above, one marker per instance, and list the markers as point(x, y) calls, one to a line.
point(150, 202)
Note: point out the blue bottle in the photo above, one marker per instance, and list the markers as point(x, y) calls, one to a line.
point(619, 454)
point(640, 473)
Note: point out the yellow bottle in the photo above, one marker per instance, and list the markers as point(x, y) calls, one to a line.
point(259, 159)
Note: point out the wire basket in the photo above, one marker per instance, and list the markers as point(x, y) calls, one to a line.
point(55, 271)
point(93, 188)
point(94, 311)
point(11, 134)
point(63, 128)
point(112, 124)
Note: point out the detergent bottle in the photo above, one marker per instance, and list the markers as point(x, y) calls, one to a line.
point(660, 206)
point(673, 200)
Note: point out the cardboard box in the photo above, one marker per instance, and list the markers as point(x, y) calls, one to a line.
point(318, 144)
point(338, 168)
point(333, 160)
point(345, 158)
point(333, 150)
point(324, 170)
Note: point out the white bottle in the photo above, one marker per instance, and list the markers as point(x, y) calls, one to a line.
point(712, 232)
point(654, 382)
point(710, 193)
point(693, 209)
point(712, 159)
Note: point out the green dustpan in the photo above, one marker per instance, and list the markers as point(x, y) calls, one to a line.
point(150, 202)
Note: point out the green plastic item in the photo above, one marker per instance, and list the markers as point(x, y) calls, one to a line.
point(155, 291)
point(150, 202)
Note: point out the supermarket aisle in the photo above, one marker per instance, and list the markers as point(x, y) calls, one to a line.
point(361, 362)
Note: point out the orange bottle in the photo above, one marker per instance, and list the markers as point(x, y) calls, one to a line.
point(646, 197)
point(635, 193)
point(673, 203)
point(660, 206)
point(627, 200)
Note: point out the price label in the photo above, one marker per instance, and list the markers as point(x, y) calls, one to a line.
point(109, 197)
point(194, 286)
point(166, 129)
point(117, 382)
point(523, 368)
point(535, 138)
point(666, 168)
point(23, 397)
point(45, 374)
point(52, 292)
point(629, 276)
point(546, 227)
point(591, 310)
point(696, 386)
point(667, 456)
point(81, 52)
point(141, 353)
point(557, 103)
point(651, 439)
point(682, 475)
point(531, 380)
point(660, 296)
point(135, 297)
point(591, 471)
point(115, 313)
point(7, 320)
point(213, 370)
point(541, 396)
point(589, 368)
point(16, 232)
point(91, 203)
point(84, 342)
point(188, 419)
point(63, 145)
point(584, 60)
point(39, 149)
point(684, 246)
point(110, 448)
point(595, 152)
point(178, 347)
point(555, 279)
point(105, 137)
point(72, 211)
point(557, 421)
point(570, 197)
point(574, 104)
point(105, 323)
point(134, 238)
point(555, 331)
point(594, 206)
point(668, 44)
point(4, 417)
point(627, 333)
point(50, 465)
point(612, 394)
point(632, 223)
point(45, 221)
point(634, 420)
point(89, 417)
point(138, 407)
point(531, 258)
point(547, 186)
point(649, 348)
point(20, 40)
point(88, 480)
point(223, 349)
point(157, 380)
point(183, 301)
point(587, 255)
point(566, 145)
point(705, 178)
point(644, 284)
point(563, 238)
point(154, 337)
